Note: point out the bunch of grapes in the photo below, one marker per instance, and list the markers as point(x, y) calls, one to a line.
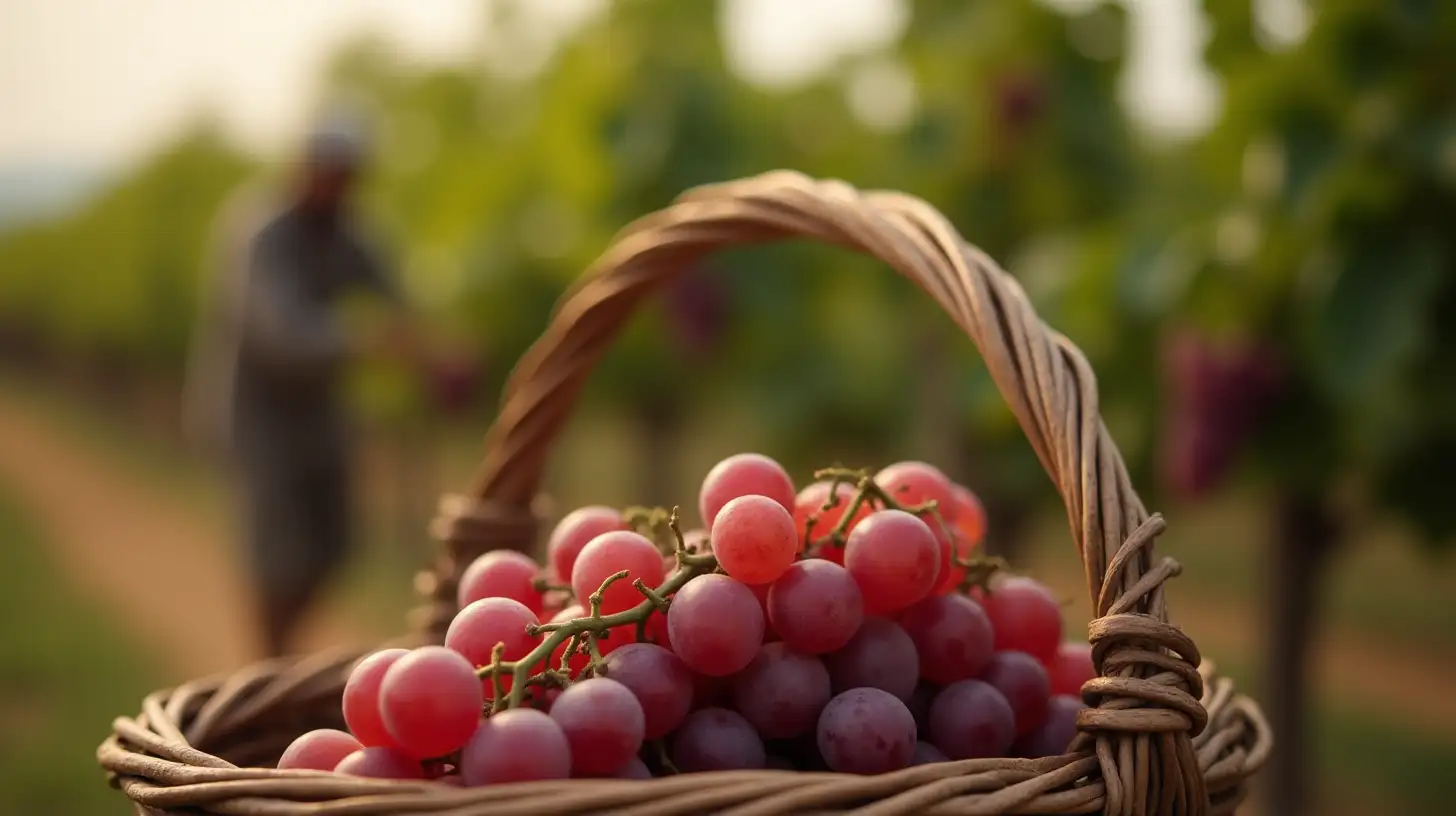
point(848, 626)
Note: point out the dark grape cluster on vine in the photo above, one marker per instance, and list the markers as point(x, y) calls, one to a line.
point(847, 626)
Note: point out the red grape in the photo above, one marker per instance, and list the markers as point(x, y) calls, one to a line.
point(927, 754)
point(518, 745)
point(971, 719)
point(603, 723)
point(634, 769)
point(866, 731)
point(477, 629)
point(659, 679)
point(894, 558)
point(952, 636)
point(743, 474)
point(781, 692)
point(377, 762)
point(715, 624)
point(501, 574)
point(715, 739)
point(578, 660)
point(754, 539)
point(609, 554)
point(810, 504)
point(828, 552)
point(361, 698)
point(657, 629)
point(1026, 618)
point(815, 607)
point(573, 533)
point(431, 701)
point(949, 574)
point(914, 483)
point(970, 515)
point(1024, 684)
point(1071, 668)
point(760, 591)
point(1054, 736)
point(880, 655)
point(319, 750)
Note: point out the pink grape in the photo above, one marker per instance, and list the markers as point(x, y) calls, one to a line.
point(880, 655)
point(810, 504)
point(743, 474)
point(948, 549)
point(971, 719)
point(477, 629)
point(517, 745)
point(431, 701)
point(781, 692)
point(715, 739)
point(608, 554)
point(754, 539)
point(1024, 684)
point(914, 483)
point(501, 574)
point(894, 558)
point(815, 606)
point(1056, 732)
point(377, 762)
point(927, 754)
point(660, 681)
point(319, 750)
point(361, 698)
point(952, 635)
point(634, 769)
point(970, 515)
point(603, 723)
point(575, 530)
point(715, 624)
point(1026, 617)
point(866, 731)
point(1071, 668)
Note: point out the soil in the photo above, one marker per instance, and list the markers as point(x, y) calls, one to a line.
point(168, 568)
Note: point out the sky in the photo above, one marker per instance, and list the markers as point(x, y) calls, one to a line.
point(98, 83)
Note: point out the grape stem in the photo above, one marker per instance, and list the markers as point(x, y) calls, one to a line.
point(583, 632)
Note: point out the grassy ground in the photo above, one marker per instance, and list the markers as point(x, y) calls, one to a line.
point(65, 672)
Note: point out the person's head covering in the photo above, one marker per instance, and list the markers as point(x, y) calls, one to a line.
point(339, 138)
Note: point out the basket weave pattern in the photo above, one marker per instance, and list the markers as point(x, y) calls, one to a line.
point(1163, 735)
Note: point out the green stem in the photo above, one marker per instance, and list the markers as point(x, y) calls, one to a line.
point(690, 566)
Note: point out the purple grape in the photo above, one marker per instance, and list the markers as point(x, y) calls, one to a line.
point(1055, 734)
point(634, 769)
point(880, 655)
point(518, 745)
point(971, 719)
point(662, 683)
point(927, 754)
point(716, 739)
point(919, 705)
point(866, 731)
point(782, 691)
point(603, 723)
point(1024, 682)
point(952, 636)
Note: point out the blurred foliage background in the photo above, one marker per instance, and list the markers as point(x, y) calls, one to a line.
point(1269, 306)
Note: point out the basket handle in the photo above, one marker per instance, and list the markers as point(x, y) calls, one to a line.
point(1147, 699)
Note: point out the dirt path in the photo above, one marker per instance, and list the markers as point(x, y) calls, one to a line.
point(1358, 670)
point(165, 566)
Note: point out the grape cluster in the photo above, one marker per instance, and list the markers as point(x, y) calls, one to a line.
point(848, 626)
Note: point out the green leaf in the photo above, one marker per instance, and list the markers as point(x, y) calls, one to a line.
point(1373, 320)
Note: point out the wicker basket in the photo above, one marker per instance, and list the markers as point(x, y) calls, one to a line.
point(1163, 735)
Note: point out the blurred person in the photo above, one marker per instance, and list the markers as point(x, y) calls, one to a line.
point(265, 382)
